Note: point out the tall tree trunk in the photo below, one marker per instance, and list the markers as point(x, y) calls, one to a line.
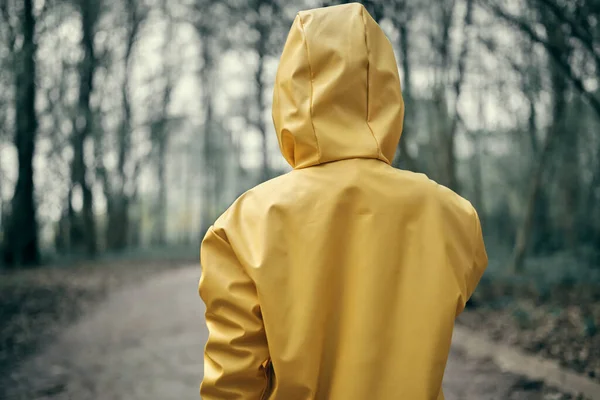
point(21, 245)
point(478, 179)
point(2, 208)
point(187, 176)
point(160, 132)
point(476, 167)
point(261, 50)
point(404, 159)
point(540, 224)
point(451, 166)
point(478, 176)
point(533, 194)
point(532, 127)
point(118, 231)
point(559, 103)
point(83, 126)
point(445, 134)
point(566, 150)
point(592, 222)
point(570, 185)
point(118, 213)
point(206, 217)
point(161, 230)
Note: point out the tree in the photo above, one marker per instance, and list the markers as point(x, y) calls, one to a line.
point(161, 124)
point(5, 109)
point(266, 20)
point(21, 245)
point(261, 23)
point(205, 28)
point(83, 125)
point(205, 18)
point(401, 14)
point(445, 78)
point(577, 21)
point(117, 195)
point(559, 104)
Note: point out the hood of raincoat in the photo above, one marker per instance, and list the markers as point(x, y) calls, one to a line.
point(337, 91)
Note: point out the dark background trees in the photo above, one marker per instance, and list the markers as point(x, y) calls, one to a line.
point(20, 235)
point(153, 116)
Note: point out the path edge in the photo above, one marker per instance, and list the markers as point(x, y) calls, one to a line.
point(511, 359)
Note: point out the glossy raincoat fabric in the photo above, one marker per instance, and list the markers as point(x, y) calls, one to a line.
point(342, 279)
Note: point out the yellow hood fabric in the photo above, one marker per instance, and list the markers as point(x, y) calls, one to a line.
point(342, 279)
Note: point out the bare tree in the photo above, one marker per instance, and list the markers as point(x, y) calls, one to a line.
point(121, 190)
point(205, 32)
point(266, 20)
point(573, 21)
point(261, 25)
point(21, 237)
point(448, 122)
point(401, 14)
point(559, 104)
point(477, 138)
point(204, 20)
point(82, 125)
point(5, 108)
point(161, 124)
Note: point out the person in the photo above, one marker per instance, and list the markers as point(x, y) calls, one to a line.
point(341, 279)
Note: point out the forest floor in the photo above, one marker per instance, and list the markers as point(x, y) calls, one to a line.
point(37, 304)
point(129, 330)
point(555, 317)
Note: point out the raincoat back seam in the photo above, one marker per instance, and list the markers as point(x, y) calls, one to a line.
point(378, 147)
point(311, 88)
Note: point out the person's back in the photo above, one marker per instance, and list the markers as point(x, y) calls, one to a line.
point(341, 279)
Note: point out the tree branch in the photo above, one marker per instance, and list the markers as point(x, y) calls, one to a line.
point(5, 16)
point(462, 60)
point(577, 30)
point(553, 51)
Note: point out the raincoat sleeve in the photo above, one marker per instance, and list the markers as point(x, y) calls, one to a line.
point(236, 350)
point(480, 259)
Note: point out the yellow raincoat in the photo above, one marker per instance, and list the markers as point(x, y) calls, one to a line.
point(342, 279)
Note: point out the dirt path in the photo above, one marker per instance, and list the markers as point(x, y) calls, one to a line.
point(146, 343)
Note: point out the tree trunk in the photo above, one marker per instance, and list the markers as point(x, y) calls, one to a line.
point(161, 230)
point(83, 127)
point(21, 236)
point(117, 229)
point(445, 135)
point(118, 213)
point(535, 187)
point(559, 87)
point(206, 217)
point(540, 229)
point(450, 158)
point(260, 99)
point(118, 216)
point(404, 159)
point(160, 133)
point(3, 219)
point(569, 185)
point(532, 127)
point(566, 150)
point(478, 176)
point(592, 222)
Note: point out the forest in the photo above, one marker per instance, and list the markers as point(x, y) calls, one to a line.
point(135, 123)
point(129, 126)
